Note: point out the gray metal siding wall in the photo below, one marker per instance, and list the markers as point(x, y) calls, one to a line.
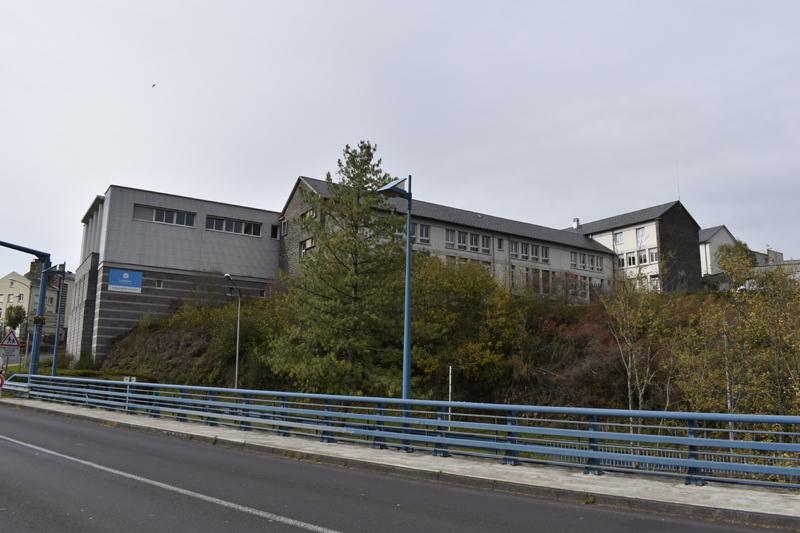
point(135, 242)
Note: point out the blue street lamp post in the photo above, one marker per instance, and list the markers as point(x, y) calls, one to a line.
point(61, 271)
point(238, 320)
point(393, 188)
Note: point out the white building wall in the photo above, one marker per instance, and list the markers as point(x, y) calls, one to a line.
point(499, 260)
point(709, 265)
point(631, 245)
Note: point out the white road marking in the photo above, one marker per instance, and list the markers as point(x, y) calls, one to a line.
point(210, 499)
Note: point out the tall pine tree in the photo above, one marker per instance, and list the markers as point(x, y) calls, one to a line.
point(343, 312)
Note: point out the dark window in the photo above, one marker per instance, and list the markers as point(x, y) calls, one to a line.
point(273, 231)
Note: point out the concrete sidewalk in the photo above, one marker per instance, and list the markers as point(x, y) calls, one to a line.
point(714, 502)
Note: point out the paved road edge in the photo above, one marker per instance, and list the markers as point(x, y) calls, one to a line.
point(626, 503)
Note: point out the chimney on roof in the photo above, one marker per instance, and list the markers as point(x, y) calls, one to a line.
point(576, 223)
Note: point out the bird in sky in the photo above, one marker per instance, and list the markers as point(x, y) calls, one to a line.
point(153, 85)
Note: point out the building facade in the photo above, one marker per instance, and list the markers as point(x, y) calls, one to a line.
point(659, 243)
point(146, 253)
point(51, 304)
point(711, 239)
point(523, 256)
point(14, 290)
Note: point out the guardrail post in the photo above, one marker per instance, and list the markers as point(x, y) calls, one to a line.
point(181, 417)
point(440, 448)
point(283, 430)
point(127, 397)
point(379, 442)
point(327, 436)
point(510, 457)
point(693, 472)
point(155, 411)
point(406, 443)
point(210, 399)
point(244, 425)
point(592, 463)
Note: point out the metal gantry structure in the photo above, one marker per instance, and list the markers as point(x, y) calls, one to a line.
point(695, 447)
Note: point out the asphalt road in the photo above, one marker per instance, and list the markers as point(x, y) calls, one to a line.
point(67, 475)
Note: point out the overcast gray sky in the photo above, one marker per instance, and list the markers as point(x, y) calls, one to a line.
point(537, 111)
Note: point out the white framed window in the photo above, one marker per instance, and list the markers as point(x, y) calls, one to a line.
point(640, 236)
point(618, 237)
point(653, 252)
point(631, 259)
point(284, 227)
point(305, 246)
point(573, 259)
point(545, 257)
point(462, 240)
point(148, 213)
point(582, 263)
point(583, 286)
point(655, 282)
point(534, 252)
point(159, 284)
point(450, 238)
point(642, 257)
point(621, 261)
point(424, 234)
point(229, 225)
point(500, 244)
point(592, 260)
point(513, 249)
point(486, 244)
point(599, 263)
point(524, 250)
point(20, 298)
point(474, 242)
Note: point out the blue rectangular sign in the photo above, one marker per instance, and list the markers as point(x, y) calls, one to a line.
point(124, 280)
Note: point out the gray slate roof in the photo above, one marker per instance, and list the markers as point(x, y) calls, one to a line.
point(624, 220)
point(481, 221)
point(705, 234)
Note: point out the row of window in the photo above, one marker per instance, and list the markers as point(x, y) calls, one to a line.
point(463, 240)
point(527, 251)
point(584, 261)
point(165, 216)
point(619, 237)
point(453, 260)
point(230, 225)
point(539, 281)
point(185, 218)
point(20, 298)
point(641, 257)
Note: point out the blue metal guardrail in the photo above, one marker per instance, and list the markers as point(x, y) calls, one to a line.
point(752, 449)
